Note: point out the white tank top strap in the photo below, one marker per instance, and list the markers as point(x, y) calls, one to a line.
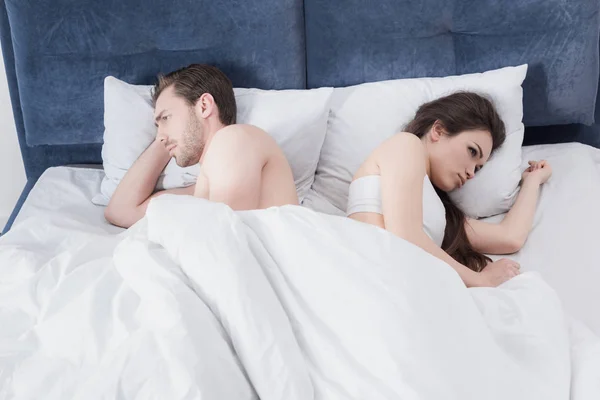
point(364, 195)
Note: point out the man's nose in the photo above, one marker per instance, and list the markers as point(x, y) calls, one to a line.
point(160, 135)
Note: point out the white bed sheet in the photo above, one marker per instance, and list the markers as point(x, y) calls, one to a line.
point(284, 303)
point(67, 191)
point(564, 245)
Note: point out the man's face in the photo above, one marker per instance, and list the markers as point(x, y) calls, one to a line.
point(179, 129)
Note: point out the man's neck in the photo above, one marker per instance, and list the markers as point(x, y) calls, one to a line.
point(210, 131)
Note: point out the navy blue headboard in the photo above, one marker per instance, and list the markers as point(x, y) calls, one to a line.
point(356, 41)
point(57, 53)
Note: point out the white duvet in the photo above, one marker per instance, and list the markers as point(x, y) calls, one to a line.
point(199, 302)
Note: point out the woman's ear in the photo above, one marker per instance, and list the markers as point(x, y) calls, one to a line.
point(437, 131)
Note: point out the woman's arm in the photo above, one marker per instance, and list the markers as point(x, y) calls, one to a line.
point(402, 166)
point(510, 235)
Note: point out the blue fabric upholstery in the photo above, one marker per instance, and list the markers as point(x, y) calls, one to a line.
point(355, 41)
point(566, 133)
point(63, 49)
point(38, 158)
point(20, 202)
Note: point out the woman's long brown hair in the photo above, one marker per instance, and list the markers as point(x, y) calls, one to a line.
point(457, 113)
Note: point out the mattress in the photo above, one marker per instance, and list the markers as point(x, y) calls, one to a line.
point(67, 192)
point(564, 244)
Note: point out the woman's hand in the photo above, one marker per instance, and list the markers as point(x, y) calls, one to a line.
point(541, 171)
point(498, 272)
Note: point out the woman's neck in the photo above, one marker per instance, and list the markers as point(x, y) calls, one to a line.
point(425, 142)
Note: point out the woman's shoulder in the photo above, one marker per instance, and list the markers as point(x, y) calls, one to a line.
point(402, 145)
point(406, 139)
point(400, 149)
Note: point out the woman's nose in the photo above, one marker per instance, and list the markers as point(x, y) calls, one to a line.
point(470, 172)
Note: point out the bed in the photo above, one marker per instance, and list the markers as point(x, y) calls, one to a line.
point(94, 311)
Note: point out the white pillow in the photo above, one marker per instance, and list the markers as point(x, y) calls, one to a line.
point(296, 119)
point(363, 116)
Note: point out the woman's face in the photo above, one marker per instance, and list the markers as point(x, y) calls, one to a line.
point(455, 159)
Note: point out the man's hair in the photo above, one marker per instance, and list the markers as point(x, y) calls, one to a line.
point(193, 81)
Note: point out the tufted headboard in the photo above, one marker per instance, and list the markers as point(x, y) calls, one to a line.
point(57, 53)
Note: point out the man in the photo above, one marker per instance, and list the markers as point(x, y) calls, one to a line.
point(195, 115)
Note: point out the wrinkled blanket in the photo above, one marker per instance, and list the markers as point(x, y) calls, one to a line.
point(197, 301)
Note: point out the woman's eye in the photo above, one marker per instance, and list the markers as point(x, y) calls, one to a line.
point(165, 117)
point(472, 151)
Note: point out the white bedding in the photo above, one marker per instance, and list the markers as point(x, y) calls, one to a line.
point(564, 244)
point(67, 192)
point(292, 304)
point(284, 303)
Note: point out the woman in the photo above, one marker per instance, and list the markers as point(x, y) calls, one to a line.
point(402, 187)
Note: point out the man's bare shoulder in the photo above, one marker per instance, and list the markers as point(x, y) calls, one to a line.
point(239, 142)
point(241, 134)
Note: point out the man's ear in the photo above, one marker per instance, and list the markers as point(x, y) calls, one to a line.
point(205, 106)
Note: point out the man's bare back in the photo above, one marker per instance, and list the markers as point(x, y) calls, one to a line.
point(245, 169)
